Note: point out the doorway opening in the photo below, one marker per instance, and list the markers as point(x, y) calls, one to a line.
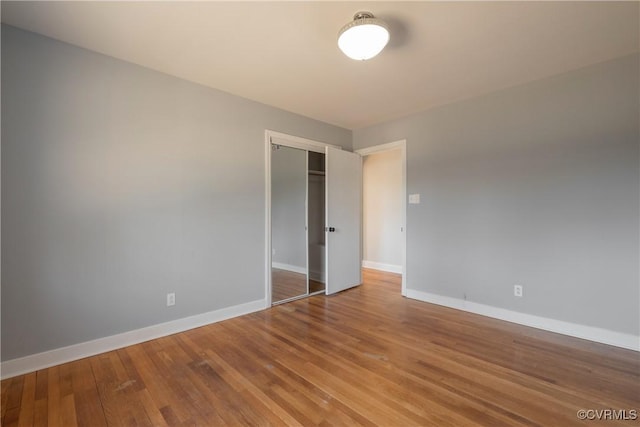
point(384, 209)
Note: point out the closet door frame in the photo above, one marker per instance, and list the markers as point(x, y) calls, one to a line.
point(273, 137)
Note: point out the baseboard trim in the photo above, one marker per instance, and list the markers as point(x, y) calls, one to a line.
point(590, 333)
point(391, 268)
point(289, 267)
point(34, 362)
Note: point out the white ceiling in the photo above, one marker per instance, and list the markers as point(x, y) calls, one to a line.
point(285, 53)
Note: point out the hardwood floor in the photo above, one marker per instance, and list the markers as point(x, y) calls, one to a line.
point(366, 356)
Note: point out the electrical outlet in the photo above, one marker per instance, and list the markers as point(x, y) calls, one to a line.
point(171, 299)
point(517, 290)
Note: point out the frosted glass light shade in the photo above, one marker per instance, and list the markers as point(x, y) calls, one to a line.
point(364, 37)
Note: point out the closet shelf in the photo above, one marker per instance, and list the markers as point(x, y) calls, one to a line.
point(312, 172)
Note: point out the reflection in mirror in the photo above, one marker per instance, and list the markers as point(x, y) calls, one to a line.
point(288, 222)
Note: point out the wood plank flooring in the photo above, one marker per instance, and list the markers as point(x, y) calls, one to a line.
point(366, 356)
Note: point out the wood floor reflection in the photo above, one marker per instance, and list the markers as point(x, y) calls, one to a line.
point(288, 284)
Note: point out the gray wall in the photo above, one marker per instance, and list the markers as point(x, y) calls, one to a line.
point(288, 206)
point(537, 185)
point(120, 184)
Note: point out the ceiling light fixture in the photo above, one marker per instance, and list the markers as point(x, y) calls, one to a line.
point(364, 37)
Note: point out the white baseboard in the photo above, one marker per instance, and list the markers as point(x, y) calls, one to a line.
point(34, 362)
point(591, 333)
point(289, 267)
point(391, 268)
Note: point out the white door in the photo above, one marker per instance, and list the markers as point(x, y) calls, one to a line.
point(343, 205)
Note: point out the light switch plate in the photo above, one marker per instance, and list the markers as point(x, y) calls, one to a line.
point(414, 199)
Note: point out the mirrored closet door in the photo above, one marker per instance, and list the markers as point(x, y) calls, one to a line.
point(289, 278)
point(297, 223)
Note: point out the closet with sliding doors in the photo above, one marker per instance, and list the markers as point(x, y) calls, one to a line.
point(313, 218)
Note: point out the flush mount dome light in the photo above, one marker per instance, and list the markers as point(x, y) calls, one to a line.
point(364, 37)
